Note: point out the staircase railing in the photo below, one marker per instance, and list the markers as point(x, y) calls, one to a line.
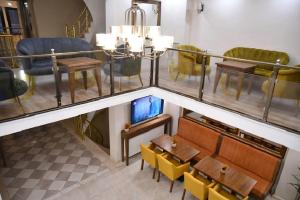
point(85, 127)
point(81, 25)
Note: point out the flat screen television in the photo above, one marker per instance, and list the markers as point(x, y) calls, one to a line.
point(146, 108)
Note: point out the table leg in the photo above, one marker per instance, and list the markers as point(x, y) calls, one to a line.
point(170, 127)
point(227, 80)
point(84, 76)
point(72, 85)
point(250, 84)
point(127, 151)
point(122, 148)
point(217, 78)
point(97, 75)
point(166, 128)
point(240, 85)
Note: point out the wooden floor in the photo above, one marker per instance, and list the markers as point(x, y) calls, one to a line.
point(283, 111)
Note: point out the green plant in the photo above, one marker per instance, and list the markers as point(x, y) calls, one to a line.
point(297, 185)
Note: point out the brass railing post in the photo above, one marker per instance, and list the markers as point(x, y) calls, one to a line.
point(55, 70)
point(67, 30)
point(156, 58)
point(151, 68)
point(202, 78)
point(86, 21)
point(74, 31)
point(271, 90)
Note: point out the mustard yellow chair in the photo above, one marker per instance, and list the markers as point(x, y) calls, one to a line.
point(217, 193)
point(170, 168)
point(190, 63)
point(196, 185)
point(149, 155)
point(287, 84)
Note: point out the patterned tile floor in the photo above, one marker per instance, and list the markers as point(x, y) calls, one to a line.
point(44, 161)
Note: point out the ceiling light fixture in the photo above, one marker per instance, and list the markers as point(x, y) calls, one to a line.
point(135, 37)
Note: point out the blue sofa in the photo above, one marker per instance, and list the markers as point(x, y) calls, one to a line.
point(34, 46)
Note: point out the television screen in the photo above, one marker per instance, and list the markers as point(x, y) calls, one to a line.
point(145, 108)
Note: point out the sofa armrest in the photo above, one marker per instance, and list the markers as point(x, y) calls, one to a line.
point(189, 56)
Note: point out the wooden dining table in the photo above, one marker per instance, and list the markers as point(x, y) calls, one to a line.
point(182, 151)
point(232, 178)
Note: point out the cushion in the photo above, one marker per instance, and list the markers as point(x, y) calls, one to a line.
point(249, 158)
point(261, 187)
point(203, 152)
point(198, 134)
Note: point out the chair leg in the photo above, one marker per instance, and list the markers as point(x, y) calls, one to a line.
point(120, 84)
point(176, 76)
point(141, 80)
point(158, 176)
point(208, 78)
point(171, 186)
point(31, 83)
point(297, 107)
point(183, 194)
point(142, 164)
point(154, 171)
point(20, 104)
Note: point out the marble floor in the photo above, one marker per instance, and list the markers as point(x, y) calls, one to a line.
point(43, 161)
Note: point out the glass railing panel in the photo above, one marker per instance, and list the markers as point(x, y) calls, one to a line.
point(24, 91)
point(179, 75)
point(83, 78)
point(234, 89)
point(285, 106)
point(131, 74)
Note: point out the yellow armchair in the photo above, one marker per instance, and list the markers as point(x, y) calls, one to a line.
point(196, 185)
point(190, 63)
point(149, 153)
point(287, 84)
point(171, 168)
point(217, 193)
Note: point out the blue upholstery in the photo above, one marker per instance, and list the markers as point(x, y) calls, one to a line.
point(9, 86)
point(34, 46)
point(125, 66)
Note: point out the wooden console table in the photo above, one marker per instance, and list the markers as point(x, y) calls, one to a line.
point(165, 120)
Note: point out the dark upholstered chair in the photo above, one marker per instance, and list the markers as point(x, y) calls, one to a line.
point(125, 67)
point(10, 87)
point(43, 66)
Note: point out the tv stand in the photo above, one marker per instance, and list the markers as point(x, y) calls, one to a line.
point(142, 128)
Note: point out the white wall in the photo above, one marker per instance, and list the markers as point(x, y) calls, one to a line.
point(172, 19)
point(266, 24)
point(284, 189)
point(98, 10)
point(120, 115)
point(52, 16)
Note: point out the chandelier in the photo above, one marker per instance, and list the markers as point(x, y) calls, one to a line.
point(134, 39)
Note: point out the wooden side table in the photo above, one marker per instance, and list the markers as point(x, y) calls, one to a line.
point(165, 120)
point(81, 64)
point(241, 68)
